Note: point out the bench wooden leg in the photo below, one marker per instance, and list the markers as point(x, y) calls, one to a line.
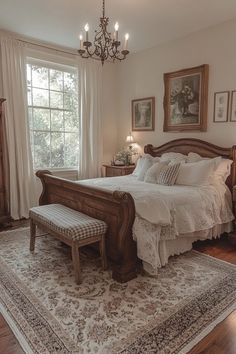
point(32, 235)
point(76, 262)
point(102, 247)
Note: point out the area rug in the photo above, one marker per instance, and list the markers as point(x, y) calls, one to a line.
point(167, 314)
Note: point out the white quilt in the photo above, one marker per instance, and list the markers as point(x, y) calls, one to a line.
point(164, 212)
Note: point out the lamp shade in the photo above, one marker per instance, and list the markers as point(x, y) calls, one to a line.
point(130, 138)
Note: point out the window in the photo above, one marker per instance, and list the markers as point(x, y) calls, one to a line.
point(53, 114)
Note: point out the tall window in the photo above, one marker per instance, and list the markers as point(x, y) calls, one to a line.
point(53, 114)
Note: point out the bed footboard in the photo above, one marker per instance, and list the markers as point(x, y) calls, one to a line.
point(115, 208)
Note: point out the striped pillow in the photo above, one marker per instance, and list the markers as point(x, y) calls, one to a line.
point(169, 174)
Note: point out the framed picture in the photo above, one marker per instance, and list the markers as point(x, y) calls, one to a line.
point(221, 106)
point(233, 107)
point(143, 114)
point(186, 99)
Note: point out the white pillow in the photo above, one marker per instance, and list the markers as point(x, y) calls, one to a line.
point(141, 161)
point(147, 163)
point(173, 156)
point(153, 172)
point(223, 169)
point(197, 173)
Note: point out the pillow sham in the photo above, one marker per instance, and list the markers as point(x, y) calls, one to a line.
point(169, 174)
point(140, 162)
point(223, 169)
point(197, 173)
point(154, 171)
point(145, 166)
point(173, 156)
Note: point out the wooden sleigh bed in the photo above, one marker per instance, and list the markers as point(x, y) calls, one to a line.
point(117, 208)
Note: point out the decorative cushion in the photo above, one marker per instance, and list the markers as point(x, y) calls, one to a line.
point(145, 166)
point(71, 223)
point(153, 172)
point(168, 174)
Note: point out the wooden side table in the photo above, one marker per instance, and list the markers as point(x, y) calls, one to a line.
point(112, 171)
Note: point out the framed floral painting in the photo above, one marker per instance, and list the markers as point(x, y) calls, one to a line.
point(143, 114)
point(186, 99)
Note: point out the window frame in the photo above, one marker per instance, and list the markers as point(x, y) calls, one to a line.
point(68, 68)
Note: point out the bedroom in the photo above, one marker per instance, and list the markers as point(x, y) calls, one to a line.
point(79, 118)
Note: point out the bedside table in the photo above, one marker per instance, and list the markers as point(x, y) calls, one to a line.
point(112, 171)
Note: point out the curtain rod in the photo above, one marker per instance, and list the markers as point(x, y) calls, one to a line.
point(51, 48)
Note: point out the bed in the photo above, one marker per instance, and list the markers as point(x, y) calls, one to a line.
point(118, 207)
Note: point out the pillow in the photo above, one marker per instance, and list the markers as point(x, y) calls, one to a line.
point(146, 164)
point(141, 161)
point(197, 173)
point(173, 156)
point(223, 169)
point(153, 172)
point(169, 174)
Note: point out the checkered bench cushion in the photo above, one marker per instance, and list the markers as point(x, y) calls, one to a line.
point(69, 222)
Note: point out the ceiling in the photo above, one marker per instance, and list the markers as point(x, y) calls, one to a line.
point(149, 22)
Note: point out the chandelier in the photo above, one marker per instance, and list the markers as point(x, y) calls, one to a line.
point(105, 46)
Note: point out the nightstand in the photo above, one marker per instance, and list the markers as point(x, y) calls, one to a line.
point(112, 171)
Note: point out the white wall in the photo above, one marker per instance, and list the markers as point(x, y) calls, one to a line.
point(142, 76)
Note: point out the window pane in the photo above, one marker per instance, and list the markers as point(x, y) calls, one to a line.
point(57, 121)
point(40, 97)
point(30, 118)
point(39, 77)
point(41, 119)
point(29, 94)
point(56, 99)
point(56, 80)
point(71, 122)
point(41, 150)
point(57, 149)
point(71, 149)
point(28, 74)
point(70, 82)
point(70, 101)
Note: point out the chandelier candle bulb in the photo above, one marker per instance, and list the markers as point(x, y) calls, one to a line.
point(116, 29)
point(126, 41)
point(86, 27)
point(81, 41)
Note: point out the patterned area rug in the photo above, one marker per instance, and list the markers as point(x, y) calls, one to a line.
point(51, 314)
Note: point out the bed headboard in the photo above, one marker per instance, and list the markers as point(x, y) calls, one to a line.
point(202, 148)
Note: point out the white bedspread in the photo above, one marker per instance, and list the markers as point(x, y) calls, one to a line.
point(164, 212)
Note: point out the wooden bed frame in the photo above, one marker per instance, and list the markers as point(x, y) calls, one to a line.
point(117, 208)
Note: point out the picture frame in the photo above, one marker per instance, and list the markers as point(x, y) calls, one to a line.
point(186, 99)
point(233, 107)
point(143, 114)
point(221, 107)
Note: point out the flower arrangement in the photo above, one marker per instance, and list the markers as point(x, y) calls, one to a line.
point(125, 156)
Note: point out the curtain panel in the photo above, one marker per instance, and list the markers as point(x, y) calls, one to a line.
point(90, 91)
point(21, 174)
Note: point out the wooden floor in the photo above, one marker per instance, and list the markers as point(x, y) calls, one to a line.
point(222, 340)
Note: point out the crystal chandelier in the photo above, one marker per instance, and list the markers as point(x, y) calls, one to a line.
point(105, 46)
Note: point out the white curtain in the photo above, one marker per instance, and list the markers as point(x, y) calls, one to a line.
point(21, 174)
point(90, 91)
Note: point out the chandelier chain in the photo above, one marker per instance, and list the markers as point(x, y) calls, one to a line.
point(103, 8)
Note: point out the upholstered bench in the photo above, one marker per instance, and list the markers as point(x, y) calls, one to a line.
point(71, 227)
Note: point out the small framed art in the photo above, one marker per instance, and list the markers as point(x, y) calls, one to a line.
point(233, 107)
point(185, 101)
point(143, 114)
point(221, 106)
